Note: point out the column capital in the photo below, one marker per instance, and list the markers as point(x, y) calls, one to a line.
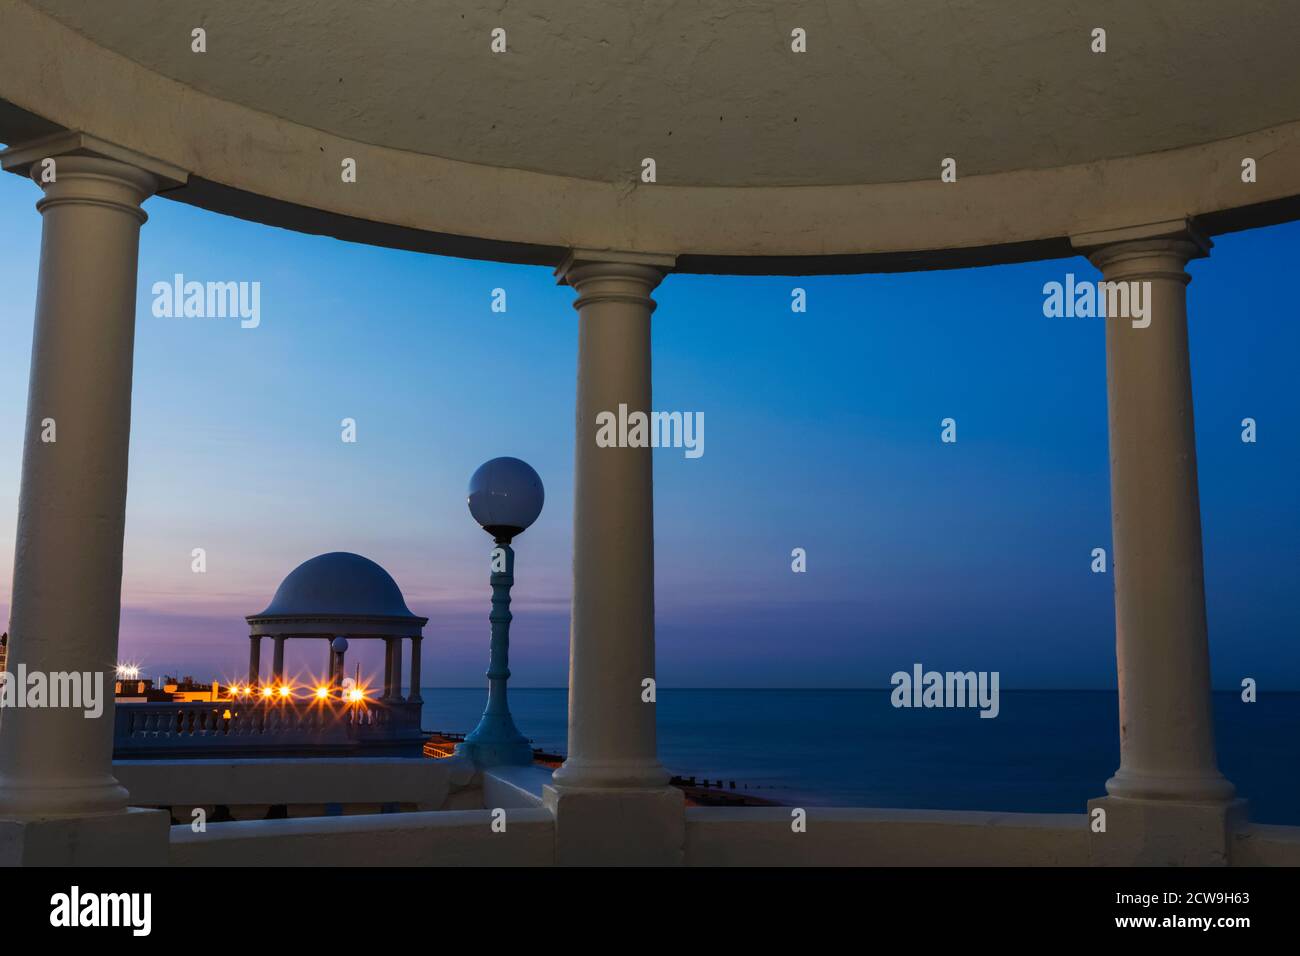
point(1140, 248)
point(608, 276)
point(577, 258)
point(25, 158)
point(77, 168)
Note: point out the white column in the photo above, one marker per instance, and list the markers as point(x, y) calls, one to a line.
point(397, 668)
point(1166, 719)
point(277, 661)
point(388, 669)
point(339, 666)
point(612, 649)
point(612, 780)
point(254, 660)
point(56, 761)
point(415, 696)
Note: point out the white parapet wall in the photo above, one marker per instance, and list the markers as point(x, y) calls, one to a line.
point(521, 837)
point(767, 836)
point(727, 836)
point(417, 782)
point(509, 787)
point(496, 817)
point(1262, 844)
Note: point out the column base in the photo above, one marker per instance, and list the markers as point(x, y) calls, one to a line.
point(1164, 832)
point(617, 826)
point(1202, 788)
point(132, 837)
point(577, 773)
point(86, 797)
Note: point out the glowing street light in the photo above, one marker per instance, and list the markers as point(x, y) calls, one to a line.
point(505, 498)
point(351, 689)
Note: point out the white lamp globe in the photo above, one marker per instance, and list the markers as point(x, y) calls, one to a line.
point(505, 497)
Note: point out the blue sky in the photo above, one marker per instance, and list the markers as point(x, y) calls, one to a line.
point(822, 432)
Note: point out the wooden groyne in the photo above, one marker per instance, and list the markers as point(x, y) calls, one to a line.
point(701, 792)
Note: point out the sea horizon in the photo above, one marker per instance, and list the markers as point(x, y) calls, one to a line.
point(850, 747)
point(828, 690)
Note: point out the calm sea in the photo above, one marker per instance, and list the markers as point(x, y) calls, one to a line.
point(1047, 751)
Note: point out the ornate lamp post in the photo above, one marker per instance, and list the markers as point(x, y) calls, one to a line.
point(505, 497)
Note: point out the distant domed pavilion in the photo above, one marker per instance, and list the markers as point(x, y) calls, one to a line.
point(339, 595)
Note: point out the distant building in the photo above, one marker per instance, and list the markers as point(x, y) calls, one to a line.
point(4, 650)
point(188, 690)
point(131, 688)
point(332, 598)
point(139, 691)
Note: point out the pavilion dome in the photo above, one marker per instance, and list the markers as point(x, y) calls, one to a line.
point(338, 584)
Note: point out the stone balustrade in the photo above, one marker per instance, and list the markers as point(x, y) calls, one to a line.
point(266, 728)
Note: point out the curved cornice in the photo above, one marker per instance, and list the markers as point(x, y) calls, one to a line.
point(261, 167)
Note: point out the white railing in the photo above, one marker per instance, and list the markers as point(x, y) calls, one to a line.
point(209, 728)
